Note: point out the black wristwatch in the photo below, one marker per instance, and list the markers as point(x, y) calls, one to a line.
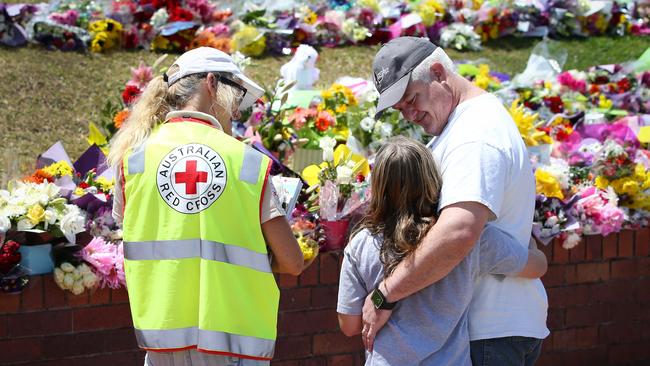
point(379, 300)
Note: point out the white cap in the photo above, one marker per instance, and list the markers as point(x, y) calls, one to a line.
point(208, 59)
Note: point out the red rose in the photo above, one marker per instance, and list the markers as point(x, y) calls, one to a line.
point(84, 185)
point(130, 94)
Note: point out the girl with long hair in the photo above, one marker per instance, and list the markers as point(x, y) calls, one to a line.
point(429, 327)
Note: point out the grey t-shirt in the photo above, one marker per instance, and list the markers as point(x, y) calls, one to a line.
point(430, 326)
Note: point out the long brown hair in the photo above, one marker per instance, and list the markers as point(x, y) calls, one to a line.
point(405, 190)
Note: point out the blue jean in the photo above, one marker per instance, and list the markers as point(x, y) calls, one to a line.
point(506, 351)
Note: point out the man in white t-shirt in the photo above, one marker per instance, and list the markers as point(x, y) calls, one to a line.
point(486, 176)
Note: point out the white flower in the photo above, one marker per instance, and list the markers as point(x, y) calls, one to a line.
point(552, 221)
point(72, 222)
point(344, 174)
point(571, 240)
point(50, 217)
point(58, 275)
point(90, 280)
point(78, 287)
point(68, 281)
point(367, 124)
point(67, 267)
point(5, 224)
point(159, 18)
point(24, 224)
point(327, 144)
point(386, 130)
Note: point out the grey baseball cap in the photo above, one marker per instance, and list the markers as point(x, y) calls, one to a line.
point(393, 65)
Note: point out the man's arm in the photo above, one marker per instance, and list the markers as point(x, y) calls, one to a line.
point(452, 237)
point(350, 324)
point(445, 245)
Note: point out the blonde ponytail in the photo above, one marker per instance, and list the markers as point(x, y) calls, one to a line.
point(148, 111)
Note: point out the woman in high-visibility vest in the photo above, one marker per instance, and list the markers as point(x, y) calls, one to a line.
point(198, 212)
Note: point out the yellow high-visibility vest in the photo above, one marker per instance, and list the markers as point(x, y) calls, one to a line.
point(196, 263)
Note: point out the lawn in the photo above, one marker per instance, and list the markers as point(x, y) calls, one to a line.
point(48, 96)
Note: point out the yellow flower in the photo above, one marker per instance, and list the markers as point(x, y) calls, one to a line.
point(430, 11)
point(604, 103)
point(341, 108)
point(526, 124)
point(58, 169)
point(160, 43)
point(310, 18)
point(327, 94)
point(308, 246)
point(547, 184)
point(548, 85)
point(36, 214)
point(601, 182)
point(79, 192)
point(369, 4)
point(249, 41)
point(482, 81)
point(105, 184)
point(342, 154)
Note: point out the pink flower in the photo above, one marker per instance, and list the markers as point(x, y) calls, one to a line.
point(107, 260)
point(140, 76)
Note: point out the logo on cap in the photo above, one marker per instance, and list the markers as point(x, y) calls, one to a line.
point(379, 76)
point(190, 178)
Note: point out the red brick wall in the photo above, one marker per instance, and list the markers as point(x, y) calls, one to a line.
point(599, 314)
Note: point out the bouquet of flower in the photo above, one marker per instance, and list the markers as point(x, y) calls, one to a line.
point(75, 279)
point(107, 262)
point(552, 217)
point(13, 277)
point(598, 211)
point(460, 37)
point(613, 161)
point(39, 208)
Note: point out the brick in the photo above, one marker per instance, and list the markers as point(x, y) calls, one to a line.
point(564, 339)
point(587, 337)
point(293, 347)
point(100, 296)
point(620, 332)
point(340, 360)
point(40, 323)
point(304, 322)
point(642, 242)
point(314, 361)
point(333, 343)
point(560, 255)
point(119, 296)
point(53, 296)
point(591, 356)
point(554, 275)
point(112, 359)
point(626, 311)
point(555, 318)
point(4, 329)
point(119, 340)
point(591, 272)
point(9, 303)
point(310, 276)
point(586, 315)
point(75, 344)
point(593, 247)
point(625, 269)
point(611, 291)
point(77, 300)
point(643, 290)
point(329, 268)
point(102, 317)
point(547, 343)
point(627, 353)
point(547, 250)
point(610, 244)
point(577, 253)
point(287, 281)
point(324, 297)
point(21, 349)
point(286, 363)
point(295, 299)
point(570, 274)
point(568, 295)
point(549, 359)
point(626, 243)
point(32, 295)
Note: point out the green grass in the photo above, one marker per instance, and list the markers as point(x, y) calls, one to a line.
point(49, 96)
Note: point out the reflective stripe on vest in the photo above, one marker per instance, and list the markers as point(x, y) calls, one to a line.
point(206, 340)
point(197, 248)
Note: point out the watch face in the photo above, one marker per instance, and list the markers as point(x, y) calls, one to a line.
point(377, 299)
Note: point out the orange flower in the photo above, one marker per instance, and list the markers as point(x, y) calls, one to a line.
point(120, 117)
point(38, 177)
point(324, 121)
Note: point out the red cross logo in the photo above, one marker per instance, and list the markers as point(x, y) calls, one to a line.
point(191, 177)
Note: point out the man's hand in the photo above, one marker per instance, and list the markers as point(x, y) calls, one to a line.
point(373, 321)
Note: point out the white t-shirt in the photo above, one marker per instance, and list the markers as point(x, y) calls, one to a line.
point(482, 158)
